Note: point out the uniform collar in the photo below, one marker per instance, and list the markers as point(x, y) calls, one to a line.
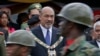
point(77, 42)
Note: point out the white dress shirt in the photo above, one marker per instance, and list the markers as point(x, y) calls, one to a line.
point(98, 43)
point(44, 31)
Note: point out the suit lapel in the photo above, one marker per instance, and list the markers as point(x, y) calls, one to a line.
point(40, 34)
point(95, 43)
point(54, 38)
point(54, 35)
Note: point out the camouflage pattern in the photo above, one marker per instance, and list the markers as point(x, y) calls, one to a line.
point(2, 46)
point(35, 6)
point(82, 48)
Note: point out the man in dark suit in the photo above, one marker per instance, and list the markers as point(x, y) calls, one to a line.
point(96, 29)
point(46, 17)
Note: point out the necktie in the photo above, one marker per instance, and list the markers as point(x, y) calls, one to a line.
point(47, 37)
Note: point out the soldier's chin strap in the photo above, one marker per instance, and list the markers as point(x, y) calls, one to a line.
point(51, 49)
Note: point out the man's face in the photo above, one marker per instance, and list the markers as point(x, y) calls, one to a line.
point(97, 32)
point(13, 50)
point(47, 18)
point(65, 28)
point(34, 12)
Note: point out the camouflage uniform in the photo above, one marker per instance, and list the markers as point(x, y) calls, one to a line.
point(2, 46)
point(82, 48)
point(82, 14)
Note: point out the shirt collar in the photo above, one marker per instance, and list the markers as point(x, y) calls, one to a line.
point(98, 43)
point(43, 28)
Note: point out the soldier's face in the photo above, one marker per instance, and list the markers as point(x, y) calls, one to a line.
point(97, 32)
point(13, 50)
point(34, 12)
point(65, 27)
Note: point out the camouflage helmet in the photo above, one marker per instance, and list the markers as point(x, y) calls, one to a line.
point(35, 6)
point(21, 37)
point(77, 12)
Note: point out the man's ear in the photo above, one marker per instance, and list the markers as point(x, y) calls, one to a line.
point(24, 49)
point(71, 25)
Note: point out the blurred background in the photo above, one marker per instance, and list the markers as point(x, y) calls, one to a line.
point(18, 6)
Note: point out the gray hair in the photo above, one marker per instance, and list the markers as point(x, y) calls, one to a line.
point(95, 24)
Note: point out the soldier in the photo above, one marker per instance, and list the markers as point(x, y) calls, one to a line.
point(20, 43)
point(2, 45)
point(78, 17)
point(34, 9)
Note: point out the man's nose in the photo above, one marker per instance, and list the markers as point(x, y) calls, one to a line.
point(49, 18)
point(99, 32)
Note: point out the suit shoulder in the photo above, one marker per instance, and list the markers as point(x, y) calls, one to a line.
point(55, 28)
point(92, 42)
point(35, 28)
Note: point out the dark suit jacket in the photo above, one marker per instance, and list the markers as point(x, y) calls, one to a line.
point(94, 43)
point(40, 50)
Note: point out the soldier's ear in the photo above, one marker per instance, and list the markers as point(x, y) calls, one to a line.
point(24, 49)
point(70, 25)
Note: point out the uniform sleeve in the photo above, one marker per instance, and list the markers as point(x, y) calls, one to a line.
point(2, 46)
point(91, 52)
point(96, 52)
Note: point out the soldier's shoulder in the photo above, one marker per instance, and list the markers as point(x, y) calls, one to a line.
point(86, 44)
point(90, 49)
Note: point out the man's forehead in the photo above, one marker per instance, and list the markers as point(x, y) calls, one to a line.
point(47, 9)
point(51, 14)
point(97, 26)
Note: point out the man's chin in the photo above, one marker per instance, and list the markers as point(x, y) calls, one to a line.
point(48, 26)
point(98, 40)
